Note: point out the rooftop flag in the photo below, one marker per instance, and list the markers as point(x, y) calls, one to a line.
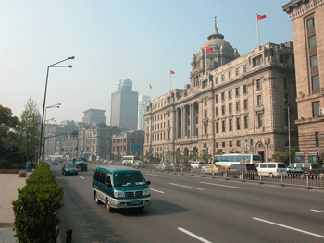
point(208, 49)
point(150, 86)
point(259, 17)
point(172, 72)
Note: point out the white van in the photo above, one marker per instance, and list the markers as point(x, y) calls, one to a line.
point(197, 164)
point(308, 166)
point(272, 169)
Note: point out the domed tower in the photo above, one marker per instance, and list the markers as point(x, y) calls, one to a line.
point(213, 53)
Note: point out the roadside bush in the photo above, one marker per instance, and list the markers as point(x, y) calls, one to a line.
point(36, 207)
point(281, 157)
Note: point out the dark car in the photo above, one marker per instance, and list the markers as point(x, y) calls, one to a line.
point(69, 169)
point(297, 171)
point(243, 168)
point(80, 163)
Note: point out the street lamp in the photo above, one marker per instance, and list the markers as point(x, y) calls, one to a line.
point(289, 143)
point(42, 128)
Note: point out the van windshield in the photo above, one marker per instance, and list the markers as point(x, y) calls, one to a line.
point(128, 179)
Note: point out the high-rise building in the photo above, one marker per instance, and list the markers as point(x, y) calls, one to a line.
point(124, 106)
point(142, 101)
point(232, 104)
point(94, 117)
point(308, 33)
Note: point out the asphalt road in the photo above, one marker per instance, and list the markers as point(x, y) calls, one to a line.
point(194, 209)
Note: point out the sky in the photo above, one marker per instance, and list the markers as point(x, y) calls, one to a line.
point(140, 40)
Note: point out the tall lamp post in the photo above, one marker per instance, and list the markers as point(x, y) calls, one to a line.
point(289, 138)
point(44, 122)
point(42, 128)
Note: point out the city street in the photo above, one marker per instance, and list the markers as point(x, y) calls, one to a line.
point(194, 209)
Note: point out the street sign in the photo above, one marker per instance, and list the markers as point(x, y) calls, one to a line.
point(75, 133)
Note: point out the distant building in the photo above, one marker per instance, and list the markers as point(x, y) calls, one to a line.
point(142, 101)
point(233, 103)
point(94, 117)
point(308, 31)
point(127, 143)
point(124, 106)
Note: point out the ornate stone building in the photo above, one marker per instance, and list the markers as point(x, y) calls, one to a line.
point(232, 104)
point(308, 29)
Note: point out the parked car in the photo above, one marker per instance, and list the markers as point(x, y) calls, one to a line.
point(69, 169)
point(174, 167)
point(212, 168)
point(185, 167)
point(243, 168)
point(163, 166)
point(198, 164)
point(139, 164)
point(297, 171)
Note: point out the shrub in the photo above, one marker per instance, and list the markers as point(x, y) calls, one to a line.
point(36, 207)
point(281, 157)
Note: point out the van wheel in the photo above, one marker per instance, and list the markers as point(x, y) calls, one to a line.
point(140, 209)
point(95, 197)
point(270, 175)
point(109, 209)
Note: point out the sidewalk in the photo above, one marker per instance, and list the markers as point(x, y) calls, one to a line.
point(9, 184)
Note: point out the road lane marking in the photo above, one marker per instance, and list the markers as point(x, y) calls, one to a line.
point(155, 190)
point(180, 185)
point(290, 227)
point(151, 175)
point(218, 184)
point(81, 177)
point(200, 189)
point(193, 235)
point(316, 211)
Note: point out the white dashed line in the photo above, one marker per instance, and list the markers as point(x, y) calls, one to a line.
point(218, 184)
point(152, 175)
point(316, 211)
point(156, 190)
point(193, 235)
point(289, 227)
point(180, 185)
point(81, 177)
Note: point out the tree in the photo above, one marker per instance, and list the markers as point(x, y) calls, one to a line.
point(29, 129)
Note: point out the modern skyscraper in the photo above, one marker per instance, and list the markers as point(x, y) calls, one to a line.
point(142, 101)
point(124, 106)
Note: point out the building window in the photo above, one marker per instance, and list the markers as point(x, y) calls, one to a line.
point(216, 145)
point(315, 83)
point(230, 94)
point(238, 143)
point(285, 82)
point(230, 125)
point(205, 113)
point(238, 107)
point(229, 75)
point(223, 144)
point(223, 77)
point(245, 104)
point(259, 100)
point(284, 59)
point(257, 61)
point(244, 68)
point(237, 92)
point(223, 96)
point(260, 120)
point(223, 110)
point(216, 111)
point(238, 123)
point(216, 80)
point(251, 142)
point(216, 98)
point(246, 122)
point(223, 126)
point(258, 84)
point(205, 128)
point(230, 143)
point(216, 127)
point(286, 98)
point(313, 61)
point(312, 41)
point(230, 108)
point(315, 106)
point(310, 23)
point(317, 139)
point(244, 89)
point(237, 71)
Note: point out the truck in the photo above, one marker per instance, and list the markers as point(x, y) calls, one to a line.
point(80, 163)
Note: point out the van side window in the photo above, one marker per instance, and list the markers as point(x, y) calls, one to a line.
point(271, 165)
point(102, 177)
point(96, 176)
point(263, 166)
point(108, 179)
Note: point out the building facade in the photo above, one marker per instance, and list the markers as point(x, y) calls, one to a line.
point(124, 106)
point(308, 34)
point(142, 101)
point(232, 104)
point(127, 143)
point(94, 117)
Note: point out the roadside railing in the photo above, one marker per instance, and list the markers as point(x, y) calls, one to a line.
point(307, 181)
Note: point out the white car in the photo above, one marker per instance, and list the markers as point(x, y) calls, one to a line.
point(197, 164)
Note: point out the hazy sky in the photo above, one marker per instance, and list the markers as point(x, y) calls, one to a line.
point(112, 40)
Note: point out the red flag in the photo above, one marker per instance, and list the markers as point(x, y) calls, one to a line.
point(172, 72)
point(129, 125)
point(208, 49)
point(261, 16)
point(150, 86)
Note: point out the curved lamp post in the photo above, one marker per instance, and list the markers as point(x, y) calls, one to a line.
point(42, 128)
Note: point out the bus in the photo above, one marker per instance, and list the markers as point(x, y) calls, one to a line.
point(226, 160)
point(130, 159)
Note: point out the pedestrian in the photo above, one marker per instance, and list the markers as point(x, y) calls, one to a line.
point(28, 166)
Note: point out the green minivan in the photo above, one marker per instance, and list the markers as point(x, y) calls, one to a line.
point(120, 187)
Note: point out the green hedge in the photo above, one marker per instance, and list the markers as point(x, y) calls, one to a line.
point(36, 207)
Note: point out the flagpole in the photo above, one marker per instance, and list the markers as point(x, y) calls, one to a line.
point(257, 29)
point(150, 91)
point(170, 79)
point(205, 57)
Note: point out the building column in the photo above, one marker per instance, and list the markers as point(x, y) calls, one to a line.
point(183, 126)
